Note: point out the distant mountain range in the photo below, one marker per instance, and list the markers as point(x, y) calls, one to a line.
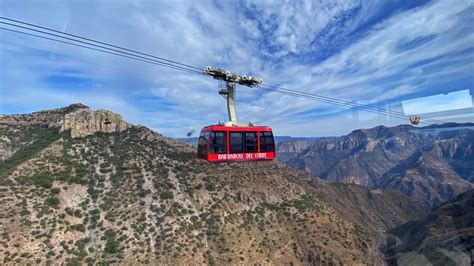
point(431, 164)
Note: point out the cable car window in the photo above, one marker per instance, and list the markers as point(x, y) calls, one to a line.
point(266, 142)
point(218, 141)
point(202, 145)
point(250, 141)
point(236, 143)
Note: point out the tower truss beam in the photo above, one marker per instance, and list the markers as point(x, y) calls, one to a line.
point(231, 79)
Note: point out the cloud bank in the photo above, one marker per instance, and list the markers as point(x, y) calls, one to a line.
point(375, 53)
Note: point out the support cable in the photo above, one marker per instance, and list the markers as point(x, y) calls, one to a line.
point(104, 43)
point(152, 59)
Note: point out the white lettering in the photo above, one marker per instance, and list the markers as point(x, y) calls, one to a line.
point(236, 156)
point(242, 156)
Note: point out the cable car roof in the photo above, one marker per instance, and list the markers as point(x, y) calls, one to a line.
point(236, 128)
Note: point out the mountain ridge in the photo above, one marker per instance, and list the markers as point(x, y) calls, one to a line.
point(430, 168)
point(136, 196)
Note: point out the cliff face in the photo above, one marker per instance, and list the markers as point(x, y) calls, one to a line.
point(51, 118)
point(289, 149)
point(84, 122)
point(457, 148)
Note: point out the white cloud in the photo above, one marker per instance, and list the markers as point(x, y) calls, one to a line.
point(266, 39)
point(436, 103)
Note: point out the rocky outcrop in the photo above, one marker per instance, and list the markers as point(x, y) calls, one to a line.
point(51, 118)
point(5, 150)
point(293, 146)
point(79, 118)
point(84, 122)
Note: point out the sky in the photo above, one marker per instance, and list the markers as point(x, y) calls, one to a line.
point(410, 56)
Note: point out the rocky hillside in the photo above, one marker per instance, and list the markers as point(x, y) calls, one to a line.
point(19, 131)
point(74, 190)
point(443, 237)
point(431, 168)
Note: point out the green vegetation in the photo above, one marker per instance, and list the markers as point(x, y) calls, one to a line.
point(73, 262)
point(78, 227)
point(210, 185)
point(52, 201)
point(361, 232)
point(111, 245)
point(304, 203)
point(45, 136)
point(166, 195)
point(43, 179)
point(210, 258)
point(213, 228)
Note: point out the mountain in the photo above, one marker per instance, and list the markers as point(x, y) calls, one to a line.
point(289, 149)
point(432, 164)
point(445, 236)
point(84, 186)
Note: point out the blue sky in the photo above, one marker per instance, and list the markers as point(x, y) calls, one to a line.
point(382, 53)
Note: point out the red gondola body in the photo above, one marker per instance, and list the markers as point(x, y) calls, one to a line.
point(220, 143)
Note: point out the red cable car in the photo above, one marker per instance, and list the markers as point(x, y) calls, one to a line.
point(232, 141)
point(219, 143)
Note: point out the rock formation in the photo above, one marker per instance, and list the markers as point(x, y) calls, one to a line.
point(79, 118)
point(83, 122)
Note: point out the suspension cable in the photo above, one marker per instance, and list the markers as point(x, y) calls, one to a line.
point(94, 45)
point(152, 59)
point(351, 104)
point(299, 95)
point(103, 51)
point(104, 43)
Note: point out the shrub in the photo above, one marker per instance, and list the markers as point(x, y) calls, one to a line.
point(210, 186)
point(111, 244)
point(74, 262)
point(78, 213)
point(78, 227)
point(52, 201)
point(69, 211)
point(43, 179)
point(166, 195)
point(45, 136)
